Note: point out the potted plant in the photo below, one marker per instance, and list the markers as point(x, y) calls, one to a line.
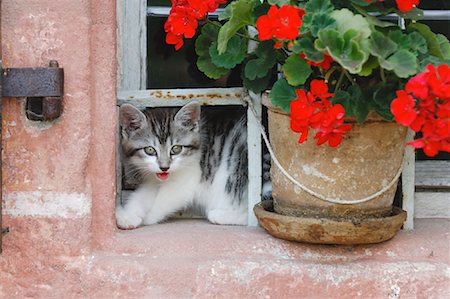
point(344, 86)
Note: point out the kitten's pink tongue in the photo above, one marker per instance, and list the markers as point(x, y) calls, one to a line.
point(162, 175)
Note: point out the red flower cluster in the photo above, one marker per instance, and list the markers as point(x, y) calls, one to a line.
point(183, 19)
point(424, 106)
point(324, 64)
point(313, 110)
point(281, 23)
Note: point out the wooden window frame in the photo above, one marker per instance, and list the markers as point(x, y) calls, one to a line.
point(132, 81)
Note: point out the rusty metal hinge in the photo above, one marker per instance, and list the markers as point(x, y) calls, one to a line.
point(42, 86)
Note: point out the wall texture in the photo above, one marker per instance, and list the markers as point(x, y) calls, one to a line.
point(59, 177)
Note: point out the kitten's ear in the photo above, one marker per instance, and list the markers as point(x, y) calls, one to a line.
point(131, 118)
point(188, 116)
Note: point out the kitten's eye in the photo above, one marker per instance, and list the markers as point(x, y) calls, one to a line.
point(150, 151)
point(176, 149)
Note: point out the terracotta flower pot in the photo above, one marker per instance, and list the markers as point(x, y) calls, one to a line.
point(367, 161)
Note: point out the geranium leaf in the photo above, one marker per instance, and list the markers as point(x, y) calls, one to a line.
point(369, 66)
point(414, 14)
point(234, 55)
point(282, 94)
point(306, 46)
point(346, 20)
point(403, 63)
point(343, 49)
point(211, 70)
point(353, 102)
point(382, 97)
point(256, 85)
point(205, 39)
point(241, 16)
point(434, 47)
point(296, 70)
point(279, 2)
point(317, 16)
point(418, 42)
point(402, 40)
point(381, 45)
point(264, 61)
point(204, 63)
point(444, 45)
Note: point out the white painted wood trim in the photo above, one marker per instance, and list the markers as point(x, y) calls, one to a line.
point(432, 205)
point(408, 185)
point(179, 97)
point(254, 158)
point(132, 44)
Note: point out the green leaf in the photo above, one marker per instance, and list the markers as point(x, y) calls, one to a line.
point(296, 70)
point(390, 56)
point(382, 97)
point(418, 42)
point(241, 16)
point(403, 63)
point(402, 40)
point(279, 2)
point(256, 85)
point(346, 20)
point(381, 45)
point(234, 55)
point(343, 49)
point(434, 47)
point(353, 102)
point(260, 66)
point(317, 16)
point(204, 63)
point(211, 70)
point(306, 46)
point(414, 14)
point(282, 94)
point(369, 66)
point(444, 45)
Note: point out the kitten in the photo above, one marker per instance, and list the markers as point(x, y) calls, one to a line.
point(185, 157)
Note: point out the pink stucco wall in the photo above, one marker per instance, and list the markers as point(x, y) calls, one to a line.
point(59, 178)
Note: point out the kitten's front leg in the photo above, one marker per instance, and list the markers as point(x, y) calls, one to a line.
point(131, 215)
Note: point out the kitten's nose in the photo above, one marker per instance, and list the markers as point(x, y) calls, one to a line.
point(164, 168)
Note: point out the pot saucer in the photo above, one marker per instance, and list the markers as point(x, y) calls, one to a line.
point(328, 231)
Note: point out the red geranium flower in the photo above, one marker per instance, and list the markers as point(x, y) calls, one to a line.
point(403, 108)
point(280, 23)
point(406, 5)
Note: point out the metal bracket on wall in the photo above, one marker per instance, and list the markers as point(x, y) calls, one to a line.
point(43, 87)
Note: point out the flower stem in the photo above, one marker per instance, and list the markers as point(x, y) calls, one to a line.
point(382, 75)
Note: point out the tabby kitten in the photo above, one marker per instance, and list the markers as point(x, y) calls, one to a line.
point(185, 157)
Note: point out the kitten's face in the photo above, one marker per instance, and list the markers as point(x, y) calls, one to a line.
point(162, 141)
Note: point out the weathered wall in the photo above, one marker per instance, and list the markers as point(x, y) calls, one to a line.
point(58, 178)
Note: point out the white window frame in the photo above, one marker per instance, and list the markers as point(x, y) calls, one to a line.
point(132, 82)
point(132, 72)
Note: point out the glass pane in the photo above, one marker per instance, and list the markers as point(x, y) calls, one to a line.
point(168, 68)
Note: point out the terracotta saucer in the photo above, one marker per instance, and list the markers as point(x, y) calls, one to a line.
point(328, 231)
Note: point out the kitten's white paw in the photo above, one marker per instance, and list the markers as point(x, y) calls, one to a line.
point(230, 217)
point(127, 220)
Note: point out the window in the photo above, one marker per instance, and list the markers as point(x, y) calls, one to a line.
point(145, 79)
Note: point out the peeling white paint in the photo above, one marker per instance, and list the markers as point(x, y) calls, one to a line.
point(47, 204)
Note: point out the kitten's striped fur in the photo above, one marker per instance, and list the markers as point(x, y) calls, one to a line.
point(210, 171)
